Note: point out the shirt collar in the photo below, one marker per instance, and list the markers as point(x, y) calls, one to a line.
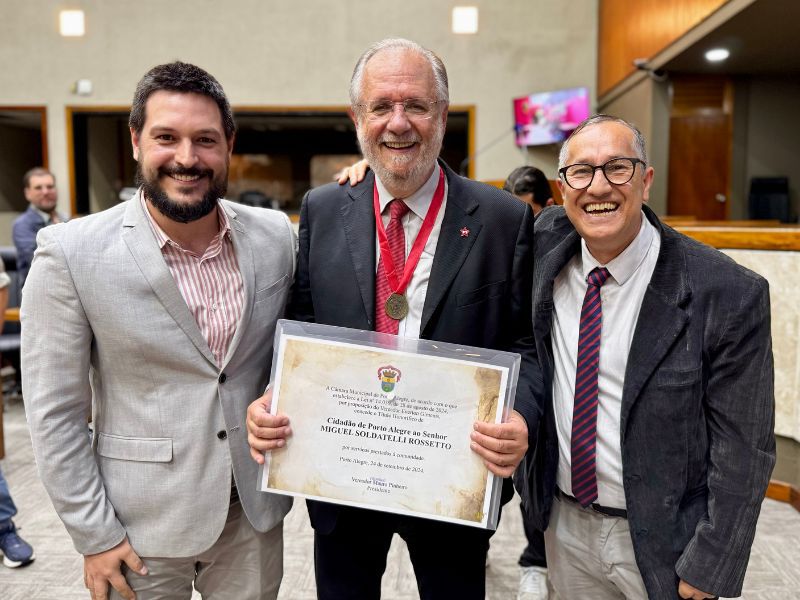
point(419, 201)
point(625, 265)
point(162, 239)
point(46, 217)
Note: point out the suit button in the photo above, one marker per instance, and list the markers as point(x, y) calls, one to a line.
point(223, 378)
point(222, 434)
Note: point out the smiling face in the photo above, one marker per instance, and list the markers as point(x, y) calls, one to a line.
point(183, 154)
point(401, 150)
point(606, 216)
point(41, 192)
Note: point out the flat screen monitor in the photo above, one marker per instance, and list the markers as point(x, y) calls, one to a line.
point(549, 117)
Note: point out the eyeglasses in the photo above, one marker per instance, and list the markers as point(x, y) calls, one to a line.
point(415, 108)
point(618, 171)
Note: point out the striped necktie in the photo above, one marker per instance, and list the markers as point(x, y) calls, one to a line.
point(397, 244)
point(584, 415)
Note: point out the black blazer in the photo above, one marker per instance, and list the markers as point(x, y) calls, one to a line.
point(697, 415)
point(479, 292)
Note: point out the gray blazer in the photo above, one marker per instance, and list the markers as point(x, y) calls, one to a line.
point(697, 410)
point(106, 331)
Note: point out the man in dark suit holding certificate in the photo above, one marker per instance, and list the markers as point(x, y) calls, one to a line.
point(417, 251)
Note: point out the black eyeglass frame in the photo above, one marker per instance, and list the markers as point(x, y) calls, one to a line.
point(563, 171)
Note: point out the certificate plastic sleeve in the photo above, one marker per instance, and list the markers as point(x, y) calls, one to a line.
point(383, 422)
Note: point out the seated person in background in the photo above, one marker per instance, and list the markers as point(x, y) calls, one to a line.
point(41, 194)
point(530, 185)
point(16, 552)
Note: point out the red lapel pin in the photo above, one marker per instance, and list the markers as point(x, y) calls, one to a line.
point(464, 232)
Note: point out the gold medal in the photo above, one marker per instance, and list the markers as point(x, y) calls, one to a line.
point(396, 306)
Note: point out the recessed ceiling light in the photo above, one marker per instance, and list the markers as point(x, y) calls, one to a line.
point(717, 54)
point(71, 23)
point(465, 19)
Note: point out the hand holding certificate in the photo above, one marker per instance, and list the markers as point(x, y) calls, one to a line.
point(386, 423)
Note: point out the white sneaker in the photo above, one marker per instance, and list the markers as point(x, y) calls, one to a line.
point(532, 583)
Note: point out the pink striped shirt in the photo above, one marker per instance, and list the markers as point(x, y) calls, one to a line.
point(210, 284)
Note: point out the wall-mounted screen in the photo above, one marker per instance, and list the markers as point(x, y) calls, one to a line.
point(549, 117)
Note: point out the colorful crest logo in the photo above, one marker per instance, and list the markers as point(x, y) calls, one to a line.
point(388, 376)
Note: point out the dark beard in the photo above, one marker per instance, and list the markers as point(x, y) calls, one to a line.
point(180, 212)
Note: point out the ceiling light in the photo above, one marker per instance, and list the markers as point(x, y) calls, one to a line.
point(71, 23)
point(465, 19)
point(717, 54)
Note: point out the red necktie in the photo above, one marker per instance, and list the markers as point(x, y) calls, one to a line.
point(584, 414)
point(397, 244)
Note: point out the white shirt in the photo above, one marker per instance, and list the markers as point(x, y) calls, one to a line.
point(48, 217)
point(417, 289)
point(621, 297)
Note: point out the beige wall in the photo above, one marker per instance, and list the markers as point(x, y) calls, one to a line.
point(646, 104)
point(269, 52)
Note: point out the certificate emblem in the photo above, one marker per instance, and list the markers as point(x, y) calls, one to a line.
point(388, 376)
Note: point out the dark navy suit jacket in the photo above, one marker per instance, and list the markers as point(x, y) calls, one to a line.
point(479, 292)
point(697, 415)
point(24, 231)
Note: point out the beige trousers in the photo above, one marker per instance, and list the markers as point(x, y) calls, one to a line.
point(590, 556)
point(243, 564)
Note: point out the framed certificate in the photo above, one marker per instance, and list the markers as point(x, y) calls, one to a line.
point(383, 422)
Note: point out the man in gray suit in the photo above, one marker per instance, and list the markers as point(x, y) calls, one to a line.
point(656, 442)
point(154, 317)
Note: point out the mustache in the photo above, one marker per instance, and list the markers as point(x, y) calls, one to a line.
point(189, 171)
point(407, 139)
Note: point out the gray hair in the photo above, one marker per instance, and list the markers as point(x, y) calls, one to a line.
point(439, 72)
point(638, 138)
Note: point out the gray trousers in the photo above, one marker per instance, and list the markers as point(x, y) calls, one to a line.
point(243, 564)
point(590, 556)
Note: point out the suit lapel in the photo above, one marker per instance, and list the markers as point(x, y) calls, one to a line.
point(244, 257)
point(451, 248)
point(358, 220)
point(546, 269)
point(138, 236)
point(662, 317)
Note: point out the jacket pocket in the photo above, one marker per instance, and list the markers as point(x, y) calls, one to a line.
point(271, 289)
point(490, 290)
point(672, 378)
point(134, 448)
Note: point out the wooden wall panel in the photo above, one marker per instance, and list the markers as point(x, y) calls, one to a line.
point(641, 29)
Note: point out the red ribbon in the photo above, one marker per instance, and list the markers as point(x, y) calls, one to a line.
point(399, 285)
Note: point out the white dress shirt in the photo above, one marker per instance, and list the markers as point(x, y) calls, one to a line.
point(417, 289)
point(621, 297)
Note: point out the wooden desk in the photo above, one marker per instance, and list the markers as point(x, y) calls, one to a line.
point(784, 237)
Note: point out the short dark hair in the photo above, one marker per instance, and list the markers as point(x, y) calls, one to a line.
point(35, 172)
point(523, 180)
point(184, 78)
